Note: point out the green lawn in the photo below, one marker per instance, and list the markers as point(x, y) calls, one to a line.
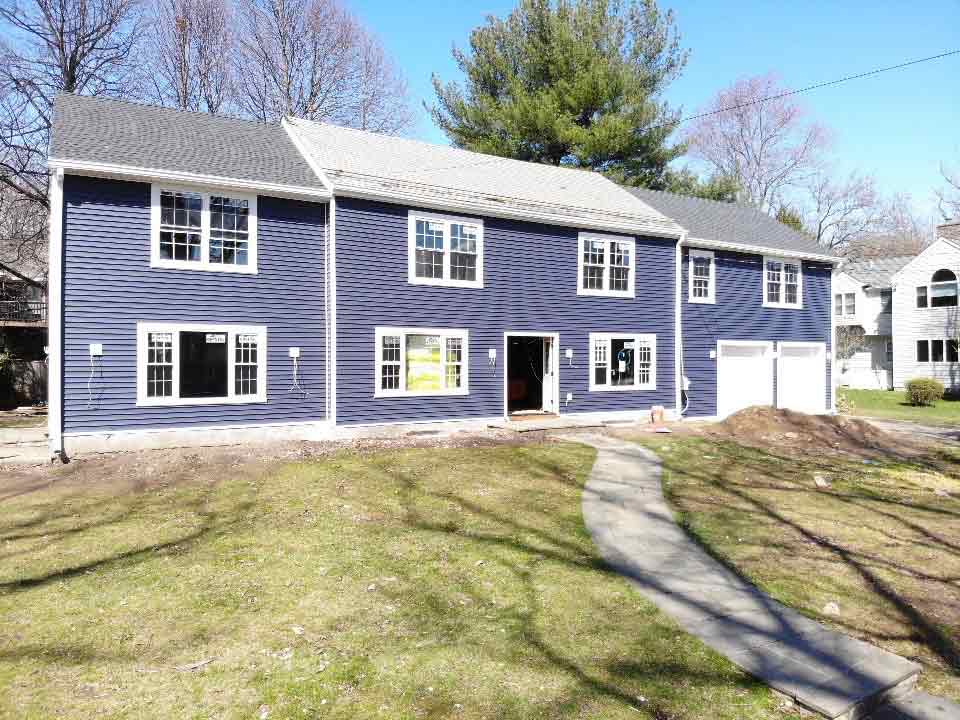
point(425, 583)
point(881, 541)
point(893, 405)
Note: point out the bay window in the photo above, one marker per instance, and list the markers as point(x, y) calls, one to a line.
point(193, 363)
point(200, 230)
point(782, 283)
point(444, 250)
point(606, 265)
point(623, 361)
point(420, 361)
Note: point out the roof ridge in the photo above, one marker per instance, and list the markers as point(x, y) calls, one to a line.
point(154, 106)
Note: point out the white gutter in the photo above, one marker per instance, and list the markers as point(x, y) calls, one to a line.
point(128, 172)
point(761, 250)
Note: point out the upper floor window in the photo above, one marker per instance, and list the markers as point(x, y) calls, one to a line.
point(702, 280)
point(886, 302)
point(421, 361)
point(605, 265)
point(623, 362)
point(195, 364)
point(199, 230)
point(444, 250)
point(850, 304)
point(943, 289)
point(783, 283)
point(922, 296)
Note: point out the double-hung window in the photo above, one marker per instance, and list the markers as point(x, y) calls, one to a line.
point(444, 250)
point(850, 304)
point(195, 364)
point(606, 265)
point(782, 283)
point(886, 302)
point(421, 361)
point(702, 280)
point(620, 361)
point(200, 230)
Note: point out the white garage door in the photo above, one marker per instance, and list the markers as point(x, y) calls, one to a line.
point(744, 375)
point(802, 377)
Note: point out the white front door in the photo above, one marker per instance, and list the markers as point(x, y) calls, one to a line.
point(549, 377)
point(802, 377)
point(744, 375)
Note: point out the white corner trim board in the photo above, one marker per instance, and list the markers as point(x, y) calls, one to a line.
point(130, 172)
point(55, 317)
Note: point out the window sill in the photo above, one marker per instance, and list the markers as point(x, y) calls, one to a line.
point(702, 301)
point(186, 402)
point(202, 266)
point(406, 394)
point(621, 388)
point(606, 293)
point(782, 306)
point(476, 284)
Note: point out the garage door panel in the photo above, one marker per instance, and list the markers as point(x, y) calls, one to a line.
point(802, 377)
point(744, 375)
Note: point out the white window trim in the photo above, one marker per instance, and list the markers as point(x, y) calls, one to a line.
point(711, 297)
point(444, 333)
point(204, 263)
point(636, 337)
point(931, 285)
point(446, 281)
point(630, 292)
point(144, 328)
point(763, 286)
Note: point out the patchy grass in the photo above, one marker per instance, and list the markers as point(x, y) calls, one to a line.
point(12, 420)
point(893, 405)
point(420, 583)
point(882, 541)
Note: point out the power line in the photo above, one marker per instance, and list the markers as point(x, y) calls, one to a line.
point(816, 87)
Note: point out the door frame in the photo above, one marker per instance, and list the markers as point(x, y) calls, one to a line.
point(555, 338)
point(752, 343)
point(821, 346)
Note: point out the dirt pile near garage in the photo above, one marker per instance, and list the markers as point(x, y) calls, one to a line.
point(798, 432)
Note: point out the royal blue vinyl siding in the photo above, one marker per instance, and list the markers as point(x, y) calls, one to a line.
point(738, 314)
point(530, 284)
point(108, 286)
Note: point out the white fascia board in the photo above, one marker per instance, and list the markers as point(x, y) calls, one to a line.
point(130, 172)
point(532, 213)
point(760, 250)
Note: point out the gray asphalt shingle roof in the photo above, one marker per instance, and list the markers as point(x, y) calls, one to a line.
point(728, 222)
point(118, 132)
point(876, 272)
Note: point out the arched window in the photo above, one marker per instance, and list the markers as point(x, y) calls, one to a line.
point(943, 289)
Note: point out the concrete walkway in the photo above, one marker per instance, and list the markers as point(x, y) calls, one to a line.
point(827, 672)
point(917, 431)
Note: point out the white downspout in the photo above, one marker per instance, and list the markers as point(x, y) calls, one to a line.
point(55, 319)
point(678, 326)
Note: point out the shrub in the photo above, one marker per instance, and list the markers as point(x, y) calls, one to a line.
point(924, 391)
point(845, 404)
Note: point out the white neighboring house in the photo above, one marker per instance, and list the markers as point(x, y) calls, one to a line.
point(926, 314)
point(862, 297)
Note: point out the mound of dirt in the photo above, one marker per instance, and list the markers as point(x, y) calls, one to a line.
point(788, 430)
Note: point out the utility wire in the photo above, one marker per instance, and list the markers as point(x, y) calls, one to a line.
point(869, 73)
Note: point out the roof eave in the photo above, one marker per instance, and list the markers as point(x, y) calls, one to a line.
point(129, 172)
point(762, 250)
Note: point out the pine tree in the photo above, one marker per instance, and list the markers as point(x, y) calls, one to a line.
point(570, 82)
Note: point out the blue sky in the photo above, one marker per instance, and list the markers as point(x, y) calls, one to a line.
point(898, 125)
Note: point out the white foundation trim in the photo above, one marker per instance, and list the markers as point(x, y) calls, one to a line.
point(55, 317)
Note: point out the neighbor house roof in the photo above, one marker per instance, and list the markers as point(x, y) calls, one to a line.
point(733, 225)
point(876, 272)
point(364, 164)
point(99, 134)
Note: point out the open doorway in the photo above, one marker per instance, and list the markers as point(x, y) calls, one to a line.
point(531, 374)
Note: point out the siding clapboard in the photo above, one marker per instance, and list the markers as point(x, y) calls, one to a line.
point(530, 284)
point(738, 314)
point(109, 286)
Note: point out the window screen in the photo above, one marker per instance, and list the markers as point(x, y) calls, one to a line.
point(203, 364)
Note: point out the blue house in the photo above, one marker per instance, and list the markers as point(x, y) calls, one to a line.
point(220, 277)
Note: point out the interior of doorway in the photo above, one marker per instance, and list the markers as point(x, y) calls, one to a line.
point(529, 360)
